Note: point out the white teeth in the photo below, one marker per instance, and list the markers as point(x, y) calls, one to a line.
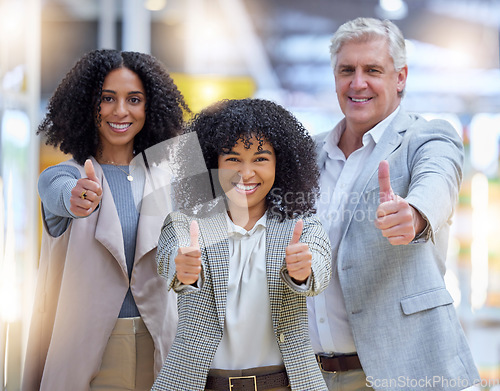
point(360, 100)
point(119, 126)
point(245, 187)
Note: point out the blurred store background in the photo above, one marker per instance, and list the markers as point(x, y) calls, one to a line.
point(275, 49)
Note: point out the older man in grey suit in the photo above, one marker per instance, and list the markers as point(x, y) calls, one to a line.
point(389, 183)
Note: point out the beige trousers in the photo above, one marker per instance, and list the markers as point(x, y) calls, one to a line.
point(128, 360)
point(354, 380)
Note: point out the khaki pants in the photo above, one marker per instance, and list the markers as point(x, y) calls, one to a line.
point(128, 360)
point(249, 372)
point(354, 380)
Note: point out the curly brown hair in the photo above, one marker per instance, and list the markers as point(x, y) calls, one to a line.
point(220, 126)
point(73, 109)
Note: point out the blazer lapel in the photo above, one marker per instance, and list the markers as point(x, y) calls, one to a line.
point(390, 140)
point(277, 237)
point(214, 241)
point(321, 154)
point(108, 228)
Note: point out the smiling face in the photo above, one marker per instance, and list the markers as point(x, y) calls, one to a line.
point(247, 175)
point(366, 83)
point(123, 113)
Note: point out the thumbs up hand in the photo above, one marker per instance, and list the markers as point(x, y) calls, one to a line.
point(396, 218)
point(188, 259)
point(384, 182)
point(298, 256)
point(87, 193)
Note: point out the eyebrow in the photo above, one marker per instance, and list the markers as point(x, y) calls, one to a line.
point(129, 93)
point(374, 66)
point(264, 151)
point(365, 66)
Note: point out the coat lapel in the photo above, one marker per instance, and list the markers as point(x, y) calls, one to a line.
point(154, 206)
point(148, 233)
point(108, 228)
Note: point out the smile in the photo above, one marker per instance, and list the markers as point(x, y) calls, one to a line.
point(360, 100)
point(119, 127)
point(246, 188)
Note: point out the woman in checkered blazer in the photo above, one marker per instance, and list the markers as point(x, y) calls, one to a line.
point(243, 267)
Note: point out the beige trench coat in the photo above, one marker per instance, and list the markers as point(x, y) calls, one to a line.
point(81, 285)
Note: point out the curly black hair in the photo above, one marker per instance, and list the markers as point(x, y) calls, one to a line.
point(220, 126)
point(73, 110)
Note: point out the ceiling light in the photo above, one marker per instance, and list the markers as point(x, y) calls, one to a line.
point(392, 9)
point(155, 5)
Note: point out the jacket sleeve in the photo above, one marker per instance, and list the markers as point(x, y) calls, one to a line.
point(315, 236)
point(436, 172)
point(174, 234)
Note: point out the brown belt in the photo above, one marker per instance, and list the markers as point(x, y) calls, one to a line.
point(247, 383)
point(342, 363)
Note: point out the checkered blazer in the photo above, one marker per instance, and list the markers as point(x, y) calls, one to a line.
point(202, 310)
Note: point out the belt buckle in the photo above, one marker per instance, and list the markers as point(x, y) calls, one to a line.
point(318, 358)
point(231, 385)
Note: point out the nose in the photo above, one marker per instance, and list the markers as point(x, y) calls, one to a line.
point(246, 172)
point(121, 108)
point(358, 81)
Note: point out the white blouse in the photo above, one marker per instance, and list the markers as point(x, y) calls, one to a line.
point(248, 340)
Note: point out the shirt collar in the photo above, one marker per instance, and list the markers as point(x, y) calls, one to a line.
point(332, 140)
point(378, 130)
point(236, 229)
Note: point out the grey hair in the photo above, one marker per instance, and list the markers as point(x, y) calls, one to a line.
point(365, 29)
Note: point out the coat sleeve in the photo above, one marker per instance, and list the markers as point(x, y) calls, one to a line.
point(436, 172)
point(315, 236)
point(54, 187)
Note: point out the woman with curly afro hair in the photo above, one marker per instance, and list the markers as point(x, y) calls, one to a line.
point(103, 318)
point(243, 272)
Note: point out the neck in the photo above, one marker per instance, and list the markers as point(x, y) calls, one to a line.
point(245, 217)
point(350, 141)
point(116, 159)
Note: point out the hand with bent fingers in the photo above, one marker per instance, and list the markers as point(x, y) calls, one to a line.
point(87, 193)
point(188, 259)
point(396, 218)
point(298, 257)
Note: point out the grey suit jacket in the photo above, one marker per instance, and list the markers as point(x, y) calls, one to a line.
point(202, 310)
point(405, 327)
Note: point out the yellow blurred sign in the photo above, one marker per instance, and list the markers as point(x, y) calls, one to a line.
point(202, 90)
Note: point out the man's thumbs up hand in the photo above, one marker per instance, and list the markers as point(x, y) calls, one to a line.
point(384, 182)
point(398, 221)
